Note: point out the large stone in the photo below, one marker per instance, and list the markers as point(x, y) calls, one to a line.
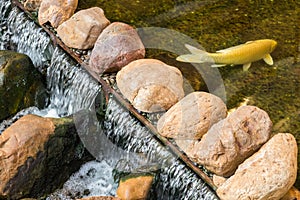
point(135, 186)
point(21, 84)
point(192, 116)
point(83, 28)
point(150, 85)
point(230, 141)
point(56, 11)
point(37, 155)
point(268, 174)
point(117, 45)
point(32, 5)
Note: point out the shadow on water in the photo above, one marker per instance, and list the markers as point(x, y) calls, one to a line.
point(220, 24)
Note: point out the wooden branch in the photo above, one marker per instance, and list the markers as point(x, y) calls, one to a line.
point(110, 91)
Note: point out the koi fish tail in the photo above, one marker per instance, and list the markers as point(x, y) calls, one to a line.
point(196, 56)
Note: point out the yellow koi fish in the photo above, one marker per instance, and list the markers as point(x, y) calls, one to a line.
point(243, 54)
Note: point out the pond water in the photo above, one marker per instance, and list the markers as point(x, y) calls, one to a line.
point(219, 24)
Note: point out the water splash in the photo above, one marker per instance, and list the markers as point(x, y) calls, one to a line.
point(93, 179)
point(71, 88)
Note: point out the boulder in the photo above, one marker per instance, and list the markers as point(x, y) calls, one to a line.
point(117, 45)
point(135, 186)
point(56, 11)
point(21, 84)
point(268, 174)
point(83, 28)
point(192, 116)
point(37, 155)
point(32, 5)
point(230, 141)
point(150, 85)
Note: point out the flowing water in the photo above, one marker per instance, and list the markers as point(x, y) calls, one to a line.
point(119, 136)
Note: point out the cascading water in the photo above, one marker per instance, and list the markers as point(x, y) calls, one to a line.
point(71, 90)
point(176, 181)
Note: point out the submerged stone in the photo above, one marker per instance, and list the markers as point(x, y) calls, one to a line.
point(135, 186)
point(83, 28)
point(230, 141)
point(268, 174)
point(37, 155)
point(21, 84)
point(150, 85)
point(192, 116)
point(117, 45)
point(56, 11)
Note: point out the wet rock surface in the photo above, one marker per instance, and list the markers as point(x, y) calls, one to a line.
point(37, 155)
point(268, 174)
point(83, 28)
point(230, 141)
point(32, 5)
point(21, 84)
point(150, 85)
point(56, 11)
point(192, 116)
point(117, 45)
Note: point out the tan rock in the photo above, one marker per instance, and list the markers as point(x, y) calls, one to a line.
point(134, 188)
point(83, 28)
point(187, 146)
point(293, 194)
point(117, 45)
point(56, 11)
point(192, 116)
point(37, 155)
point(268, 174)
point(150, 85)
point(218, 180)
point(32, 5)
point(230, 141)
point(14, 145)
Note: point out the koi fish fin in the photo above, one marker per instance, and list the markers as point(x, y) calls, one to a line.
point(268, 59)
point(191, 58)
point(246, 66)
point(218, 65)
point(194, 50)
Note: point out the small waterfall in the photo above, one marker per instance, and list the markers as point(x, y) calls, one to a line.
point(71, 87)
point(24, 36)
point(176, 181)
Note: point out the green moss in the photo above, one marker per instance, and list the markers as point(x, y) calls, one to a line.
point(21, 85)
